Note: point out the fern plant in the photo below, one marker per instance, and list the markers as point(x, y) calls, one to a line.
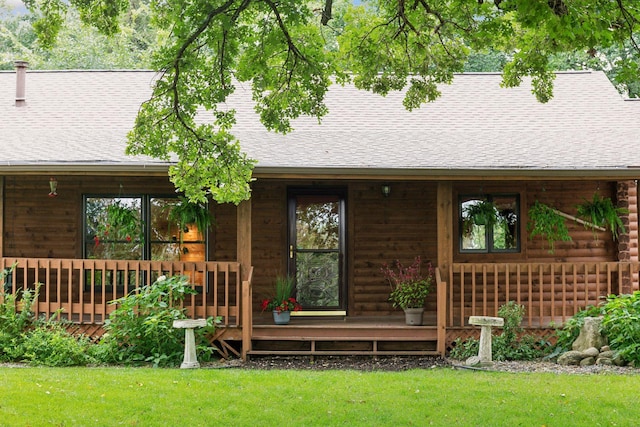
point(548, 223)
point(600, 212)
point(186, 212)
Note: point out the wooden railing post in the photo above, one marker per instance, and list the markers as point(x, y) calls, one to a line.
point(247, 314)
point(441, 317)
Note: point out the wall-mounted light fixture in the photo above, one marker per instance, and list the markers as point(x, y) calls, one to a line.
point(53, 187)
point(386, 190)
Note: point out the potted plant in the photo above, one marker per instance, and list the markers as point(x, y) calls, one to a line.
point(283, 302)
point(478, 212)
point(186, 212)
point(548, 223)
point(600, 212)
point(409, 288)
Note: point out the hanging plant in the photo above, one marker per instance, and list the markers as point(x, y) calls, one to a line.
point(186, 212)
point(122, 223)
point(548, 223)
point(600, 212)
point(480, 213)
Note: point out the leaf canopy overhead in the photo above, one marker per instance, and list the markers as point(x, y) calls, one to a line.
point(292, 51)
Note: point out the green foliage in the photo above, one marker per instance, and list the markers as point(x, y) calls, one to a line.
point(16, 318)
point(186, 212)
point(546, 222)
point(140, 329)
point(50, 344)
point(480, 213)
point(281, 47)
point(409, 286)
point(282, 299)
point(600, 212)
point(511, 344)
point(621, 325)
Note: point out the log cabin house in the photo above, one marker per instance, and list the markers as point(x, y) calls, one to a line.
point(331, 203)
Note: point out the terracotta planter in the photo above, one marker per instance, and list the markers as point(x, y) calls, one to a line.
point(413, 316)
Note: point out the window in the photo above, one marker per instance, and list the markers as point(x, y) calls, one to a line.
point(489, 223)
point(138, 227)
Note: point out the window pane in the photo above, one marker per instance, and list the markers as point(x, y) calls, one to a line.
point(114, 229)
point(473, 226)
point(505, 230)
point(162, 229)
point(317, 222)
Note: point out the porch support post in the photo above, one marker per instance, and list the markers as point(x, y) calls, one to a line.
point(244, 258)
point(626, 195)
point(445, 256)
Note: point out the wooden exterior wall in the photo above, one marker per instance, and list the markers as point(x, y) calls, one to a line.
point(379, 229)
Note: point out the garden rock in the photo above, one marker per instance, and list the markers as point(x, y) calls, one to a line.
point(590, 335)
point(591, 352)
point(588, 361)
point(570, 358)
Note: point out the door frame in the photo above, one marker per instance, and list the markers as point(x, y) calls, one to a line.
point(341, 193)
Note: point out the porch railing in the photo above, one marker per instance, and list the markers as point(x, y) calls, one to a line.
point(80, 289)
point(550, 292)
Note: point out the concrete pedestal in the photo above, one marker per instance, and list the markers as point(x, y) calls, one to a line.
point(190, 360)
point(484, 354)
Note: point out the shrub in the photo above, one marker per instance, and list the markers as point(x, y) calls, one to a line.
point(16, 318)
point(140, 330)
point(511, 344)
point(621, 325)
point(50, 344)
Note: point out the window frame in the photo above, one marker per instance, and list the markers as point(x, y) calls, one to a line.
point(489, 232)
point(145, 217)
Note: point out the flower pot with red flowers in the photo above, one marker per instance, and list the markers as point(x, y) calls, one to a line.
point(283, 302)
point(410, 287)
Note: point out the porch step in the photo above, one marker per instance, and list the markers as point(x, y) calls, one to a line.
point(344, 338)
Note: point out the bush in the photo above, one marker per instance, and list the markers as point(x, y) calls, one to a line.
point(15, 322)
point(141, 330)
point(50, 344)
point(621, 325)
point(512, 344)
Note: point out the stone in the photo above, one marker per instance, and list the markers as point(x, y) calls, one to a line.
point(605, 348)
point(588, 361)
point(190, 359)
point(591, 352)
point(486, 322)
point(570, 358)
point(590, 335)
point(604, 361)
point(608, 354)
point(473, 361)
point(618, 360)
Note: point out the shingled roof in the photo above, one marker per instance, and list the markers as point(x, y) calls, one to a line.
point(78, 121)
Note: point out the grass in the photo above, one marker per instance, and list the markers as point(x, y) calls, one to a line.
point(235, 397)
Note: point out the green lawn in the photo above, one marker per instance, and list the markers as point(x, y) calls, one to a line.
point(236, 397)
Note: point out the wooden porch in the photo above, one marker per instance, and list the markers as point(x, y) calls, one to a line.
point(80, 291)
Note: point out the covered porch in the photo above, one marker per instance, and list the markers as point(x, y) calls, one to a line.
point(80, 292)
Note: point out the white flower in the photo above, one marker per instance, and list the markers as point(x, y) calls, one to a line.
point(161, 278)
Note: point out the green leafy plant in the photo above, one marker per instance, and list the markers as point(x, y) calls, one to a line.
point(283, 299)
point(409, 287)
point(480, 213)
point(621, 325)
point(548, 223)
point(50, 344)
point(122, 223)
point(600, 212)
point(140, 329)
point(186, 212)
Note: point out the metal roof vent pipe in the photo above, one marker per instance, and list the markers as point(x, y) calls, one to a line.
point(21, 79)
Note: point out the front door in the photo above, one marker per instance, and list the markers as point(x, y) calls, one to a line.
point(316, 249)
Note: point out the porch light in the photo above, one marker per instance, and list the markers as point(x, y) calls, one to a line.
point(386, 190)
point(53, 187)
